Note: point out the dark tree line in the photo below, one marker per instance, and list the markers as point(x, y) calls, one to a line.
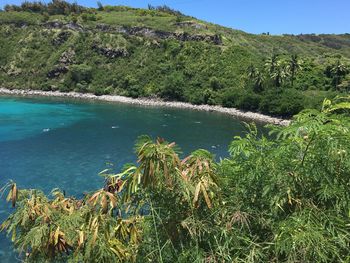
point(165, 9)
point(55, 7)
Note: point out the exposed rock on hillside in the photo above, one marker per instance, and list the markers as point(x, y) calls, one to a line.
point(61, 25)
point(61, 38)
point(191, 24)
point(140, 31)
point(146, 32)
point(67, 57)
point(57, 71)
point(110, 52)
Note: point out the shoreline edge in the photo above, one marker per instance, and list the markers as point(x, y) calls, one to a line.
point(150, 103)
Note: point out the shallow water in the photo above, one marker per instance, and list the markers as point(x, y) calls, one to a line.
point(48, 143)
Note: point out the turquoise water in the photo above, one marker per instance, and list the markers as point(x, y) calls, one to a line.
point(64, 143)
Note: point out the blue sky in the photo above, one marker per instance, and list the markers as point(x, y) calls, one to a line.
point(255, 16)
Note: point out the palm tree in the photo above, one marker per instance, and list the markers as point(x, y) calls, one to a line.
point(294, 65)
point(259, 81)
point(279, 75)
point(338, 71)
point(257, 77)
point(251, 71)
point(272, 63)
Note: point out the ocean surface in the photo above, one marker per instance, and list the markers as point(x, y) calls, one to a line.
point(64, 143)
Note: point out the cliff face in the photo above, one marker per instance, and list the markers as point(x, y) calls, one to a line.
point(134, 31)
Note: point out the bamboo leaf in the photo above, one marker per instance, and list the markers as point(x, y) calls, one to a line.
point(196, 194)
point(94, 238)
point(206, 197)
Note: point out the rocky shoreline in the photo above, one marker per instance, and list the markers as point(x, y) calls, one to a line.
point(150, 102)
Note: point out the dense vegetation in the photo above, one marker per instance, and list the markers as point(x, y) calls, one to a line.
point(161, 52)
point(282, 198)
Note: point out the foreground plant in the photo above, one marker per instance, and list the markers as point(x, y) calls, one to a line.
point(105, 226)
point(282, 198)
point(69, 229)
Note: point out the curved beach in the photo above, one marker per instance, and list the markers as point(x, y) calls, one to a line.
point(151, 103)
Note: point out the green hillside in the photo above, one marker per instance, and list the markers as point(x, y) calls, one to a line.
point(161, 52)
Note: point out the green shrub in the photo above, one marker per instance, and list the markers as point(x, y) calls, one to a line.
point(231, 97)
point(82, 87)
point(248, 101)
point(173, 87)
point(285, 103)
point(88, 17)
point(63, 88)
point(81, 72)
point(20, 18)
point(215, 84)
point(96, 90)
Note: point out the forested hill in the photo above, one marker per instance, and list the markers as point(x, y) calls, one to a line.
point(161, 52)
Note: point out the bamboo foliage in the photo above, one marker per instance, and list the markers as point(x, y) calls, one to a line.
point(104, 199)
point(199, 170)
point(65, 228)
point(157, 162)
